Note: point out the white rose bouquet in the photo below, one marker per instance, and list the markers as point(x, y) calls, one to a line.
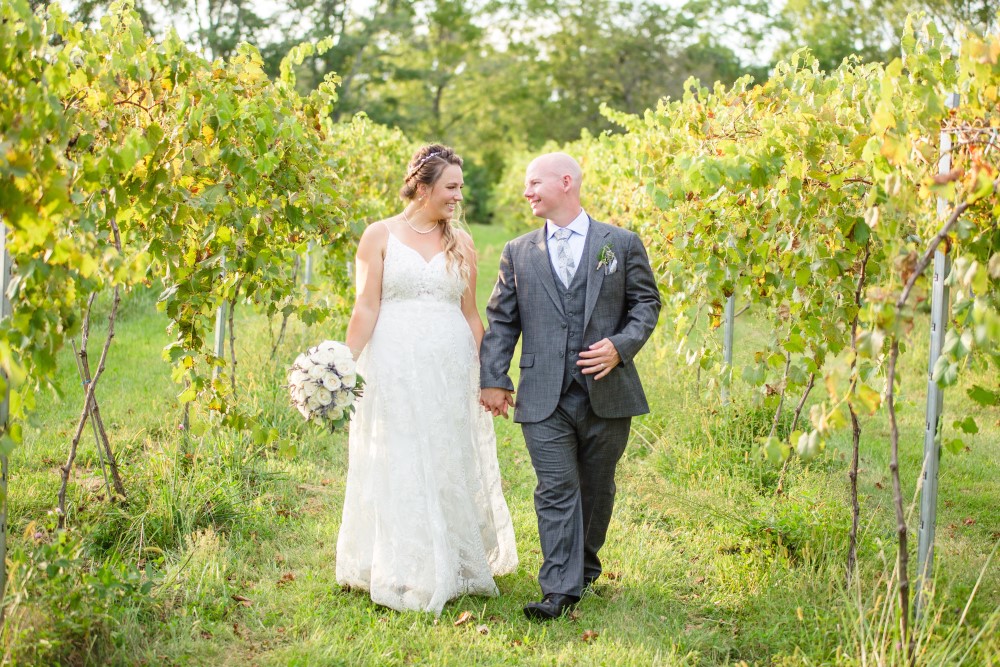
point(323, 383)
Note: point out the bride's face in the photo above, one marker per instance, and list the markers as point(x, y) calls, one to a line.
point(444, 196)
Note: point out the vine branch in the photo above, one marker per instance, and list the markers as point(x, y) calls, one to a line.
point(91, 388)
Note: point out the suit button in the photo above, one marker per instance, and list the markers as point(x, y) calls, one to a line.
point(562, 354)
point(563, 325)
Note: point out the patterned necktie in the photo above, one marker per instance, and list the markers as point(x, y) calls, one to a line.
point(564, 257)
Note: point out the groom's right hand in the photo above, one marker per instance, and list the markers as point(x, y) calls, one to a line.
point(496, 400)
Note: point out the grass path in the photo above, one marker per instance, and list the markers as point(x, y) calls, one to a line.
point(705, 565)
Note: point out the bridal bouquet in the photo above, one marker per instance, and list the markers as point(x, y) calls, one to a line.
point(323, 383)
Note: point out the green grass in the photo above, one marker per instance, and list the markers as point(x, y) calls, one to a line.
point(706, 565)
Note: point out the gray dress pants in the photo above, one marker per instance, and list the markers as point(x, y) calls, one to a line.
point(574, 453)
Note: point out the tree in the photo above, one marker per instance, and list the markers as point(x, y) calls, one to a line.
point(624, 53)
point(980, 16)
point(833, 30)
point(214, 27)
point(869, 29)
point(364, 42)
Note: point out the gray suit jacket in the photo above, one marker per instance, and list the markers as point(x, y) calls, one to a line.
point(622, 306)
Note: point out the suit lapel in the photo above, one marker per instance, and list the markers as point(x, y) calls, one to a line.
point(543, 267)
point(598, 237)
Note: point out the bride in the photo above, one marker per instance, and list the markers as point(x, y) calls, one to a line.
point(425, 520)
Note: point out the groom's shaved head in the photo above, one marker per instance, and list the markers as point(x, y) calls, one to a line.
point(552, 187)
point(561, 165)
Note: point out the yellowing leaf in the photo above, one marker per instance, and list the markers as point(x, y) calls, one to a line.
point(869, 398)
point(187, 395)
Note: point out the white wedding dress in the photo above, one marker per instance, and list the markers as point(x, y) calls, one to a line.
point(425, 519)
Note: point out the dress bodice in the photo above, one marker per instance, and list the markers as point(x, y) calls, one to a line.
point(406, 276)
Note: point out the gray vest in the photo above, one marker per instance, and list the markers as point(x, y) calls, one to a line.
point(574, 299)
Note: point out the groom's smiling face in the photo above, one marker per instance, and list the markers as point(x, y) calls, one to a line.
point(543, 188)
point(552, 187)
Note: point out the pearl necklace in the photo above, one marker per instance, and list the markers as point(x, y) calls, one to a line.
point(418, 231)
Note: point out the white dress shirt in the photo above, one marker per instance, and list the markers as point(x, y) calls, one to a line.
point(580, 226)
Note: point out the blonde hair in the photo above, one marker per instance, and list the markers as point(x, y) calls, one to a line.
point(426, 167)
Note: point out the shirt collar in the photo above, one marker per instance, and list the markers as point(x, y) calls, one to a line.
point(580, 225)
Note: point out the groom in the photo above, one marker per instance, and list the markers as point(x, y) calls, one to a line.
point(582, 297)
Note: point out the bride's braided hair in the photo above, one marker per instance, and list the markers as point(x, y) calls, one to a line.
point(426, 167)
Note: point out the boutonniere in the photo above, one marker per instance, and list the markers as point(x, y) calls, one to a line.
point(607, 260)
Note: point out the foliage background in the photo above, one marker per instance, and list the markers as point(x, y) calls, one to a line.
point(227, 530)
point(493, 77)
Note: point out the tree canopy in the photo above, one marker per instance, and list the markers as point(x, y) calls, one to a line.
point(493, 77)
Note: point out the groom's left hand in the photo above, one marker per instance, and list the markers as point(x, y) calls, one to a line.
point(599, 358)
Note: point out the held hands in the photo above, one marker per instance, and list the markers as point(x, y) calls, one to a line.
point(496, 401)
point(599, 358)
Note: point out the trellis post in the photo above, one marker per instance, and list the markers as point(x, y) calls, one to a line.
point(935, 395)
point(727, 345)
point(307, 278)
point(220, 331)
point(5, 312)
point(729, 324)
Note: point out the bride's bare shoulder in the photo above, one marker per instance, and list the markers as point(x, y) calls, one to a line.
point(374, 237)
point(378, 229)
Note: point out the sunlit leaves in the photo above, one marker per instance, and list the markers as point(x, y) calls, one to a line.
point(775, 193)
point(216, 176)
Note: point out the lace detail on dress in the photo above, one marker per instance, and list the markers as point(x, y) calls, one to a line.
point(424, 520)
point(407, 275)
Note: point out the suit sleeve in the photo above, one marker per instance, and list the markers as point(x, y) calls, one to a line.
point(642, 298)
point(503, 318)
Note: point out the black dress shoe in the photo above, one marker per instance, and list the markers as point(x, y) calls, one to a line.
point(552, 606)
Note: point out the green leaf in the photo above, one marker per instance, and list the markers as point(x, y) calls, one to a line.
point(795, 344)
point(954, 446)
point(945, 371)
point(803, 276)
point(967, 425)
point(754, 374)
point(775, 450)
point(862, 233)
point(984, 396)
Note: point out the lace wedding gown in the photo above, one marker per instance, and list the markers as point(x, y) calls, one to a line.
point(425, 519)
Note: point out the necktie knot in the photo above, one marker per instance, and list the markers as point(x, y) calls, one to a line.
point(563, 234)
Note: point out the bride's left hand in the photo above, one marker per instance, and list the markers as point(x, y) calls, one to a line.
point(600, 358)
